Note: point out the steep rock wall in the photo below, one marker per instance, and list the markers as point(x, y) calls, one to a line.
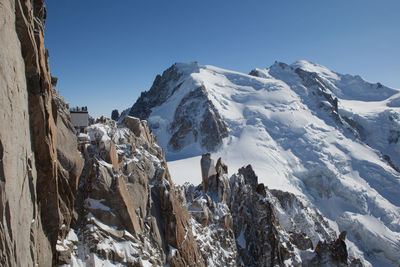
point(39, 166)
point(18, 232)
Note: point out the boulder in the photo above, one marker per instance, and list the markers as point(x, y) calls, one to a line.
point(133, 124)
point(139, 128)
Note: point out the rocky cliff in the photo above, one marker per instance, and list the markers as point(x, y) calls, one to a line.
point(129, 210)
point(195, 119)
point(40, 164)
point(254, 226)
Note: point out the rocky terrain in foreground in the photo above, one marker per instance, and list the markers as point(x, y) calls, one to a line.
point(129, 212)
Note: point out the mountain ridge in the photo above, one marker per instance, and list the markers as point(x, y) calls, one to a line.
point(327, 137)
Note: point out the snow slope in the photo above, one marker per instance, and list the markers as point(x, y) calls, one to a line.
point(331, 139)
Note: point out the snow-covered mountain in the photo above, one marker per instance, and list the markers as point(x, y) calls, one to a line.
point(331, 139)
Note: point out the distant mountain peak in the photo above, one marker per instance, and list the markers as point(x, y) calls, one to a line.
point(327, 137)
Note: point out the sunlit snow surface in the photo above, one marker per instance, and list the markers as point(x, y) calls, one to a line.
point(295, 145)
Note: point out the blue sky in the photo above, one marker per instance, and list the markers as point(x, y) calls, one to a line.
point(106, 52)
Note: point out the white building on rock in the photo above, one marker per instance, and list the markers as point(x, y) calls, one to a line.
point(79, 118)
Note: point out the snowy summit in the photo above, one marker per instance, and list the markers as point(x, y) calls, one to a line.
point(329, 138)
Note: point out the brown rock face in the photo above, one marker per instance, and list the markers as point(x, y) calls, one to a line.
point(178, 232)
point(139, 128)
point(69, 165)
point(208, 171)
point(133, 203)
point(133, 124)
point(17, 163)
point(39, 165)
point(30, 18)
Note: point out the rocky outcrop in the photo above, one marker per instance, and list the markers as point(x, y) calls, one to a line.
point(178, 233)
point(332, 253)
point(196, 119)
point(158, 93)
point(254, 226)
point(30, 18)
point(18, 208)
point(208, 171)
point(129, 213)
point(40, 164)
point(115, 114)
point(69, 167)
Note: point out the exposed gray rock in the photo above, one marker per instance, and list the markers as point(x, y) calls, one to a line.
point(195, 119)
point(249, 176)
point(244, 219)
point(158, 93)
point(333, 253)
point(18, 207)
point(115, 115)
